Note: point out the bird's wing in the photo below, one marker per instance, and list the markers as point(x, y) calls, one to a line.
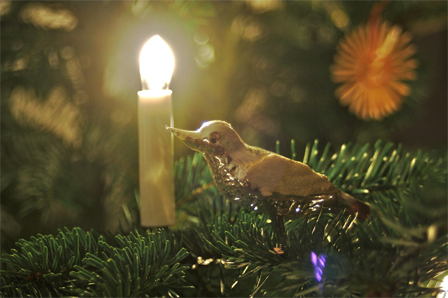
point(275, 174)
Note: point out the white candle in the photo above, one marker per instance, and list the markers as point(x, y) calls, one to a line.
point(157, 207)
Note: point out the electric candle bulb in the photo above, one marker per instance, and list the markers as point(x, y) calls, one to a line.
point(157, 207)
point(444, 288)
point(156, 64)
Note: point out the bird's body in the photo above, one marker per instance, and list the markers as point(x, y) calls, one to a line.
point(262, 180)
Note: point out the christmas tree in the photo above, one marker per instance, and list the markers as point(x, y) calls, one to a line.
point(365, 79)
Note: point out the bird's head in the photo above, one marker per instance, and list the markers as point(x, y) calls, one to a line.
point(211, 137)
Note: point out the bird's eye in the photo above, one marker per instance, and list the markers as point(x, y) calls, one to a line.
point(215, 137)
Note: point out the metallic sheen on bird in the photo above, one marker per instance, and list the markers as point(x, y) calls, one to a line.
point(262, 180)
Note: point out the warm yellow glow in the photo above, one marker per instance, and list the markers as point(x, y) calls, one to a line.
point(156, 64)
point(340, 18)
point(56, 113)
point(44, 16)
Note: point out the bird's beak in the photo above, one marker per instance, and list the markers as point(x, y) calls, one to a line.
point(190, 138)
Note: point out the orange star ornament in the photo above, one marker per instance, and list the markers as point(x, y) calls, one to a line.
point(372, 62)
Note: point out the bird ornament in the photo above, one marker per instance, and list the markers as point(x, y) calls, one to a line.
point(264, 181)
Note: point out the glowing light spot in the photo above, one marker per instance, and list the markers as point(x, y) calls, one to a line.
point(444, 285)
point(297, 210)
point(55, 114)
point(322, 261)
point(200, 38)
point(319, 264)
point(156, 64)
point(205, 54)
point(314, 258)
point(340, 18)
point(46, 17)
point(5, 7)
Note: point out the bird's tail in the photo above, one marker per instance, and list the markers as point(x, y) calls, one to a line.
point(355, 205)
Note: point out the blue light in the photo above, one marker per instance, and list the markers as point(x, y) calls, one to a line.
point(319, 264)
point(314, 258)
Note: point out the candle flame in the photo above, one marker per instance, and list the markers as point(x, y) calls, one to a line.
point(444, 285)
point(156, 64)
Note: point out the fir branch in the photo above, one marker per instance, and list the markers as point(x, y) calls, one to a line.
point(364, 169)
point(398, 251)
point(87, 264)
point(192, 177)
point(241, 245)
point(43, 264)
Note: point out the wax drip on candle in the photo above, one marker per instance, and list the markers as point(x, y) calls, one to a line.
point(156, 64)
